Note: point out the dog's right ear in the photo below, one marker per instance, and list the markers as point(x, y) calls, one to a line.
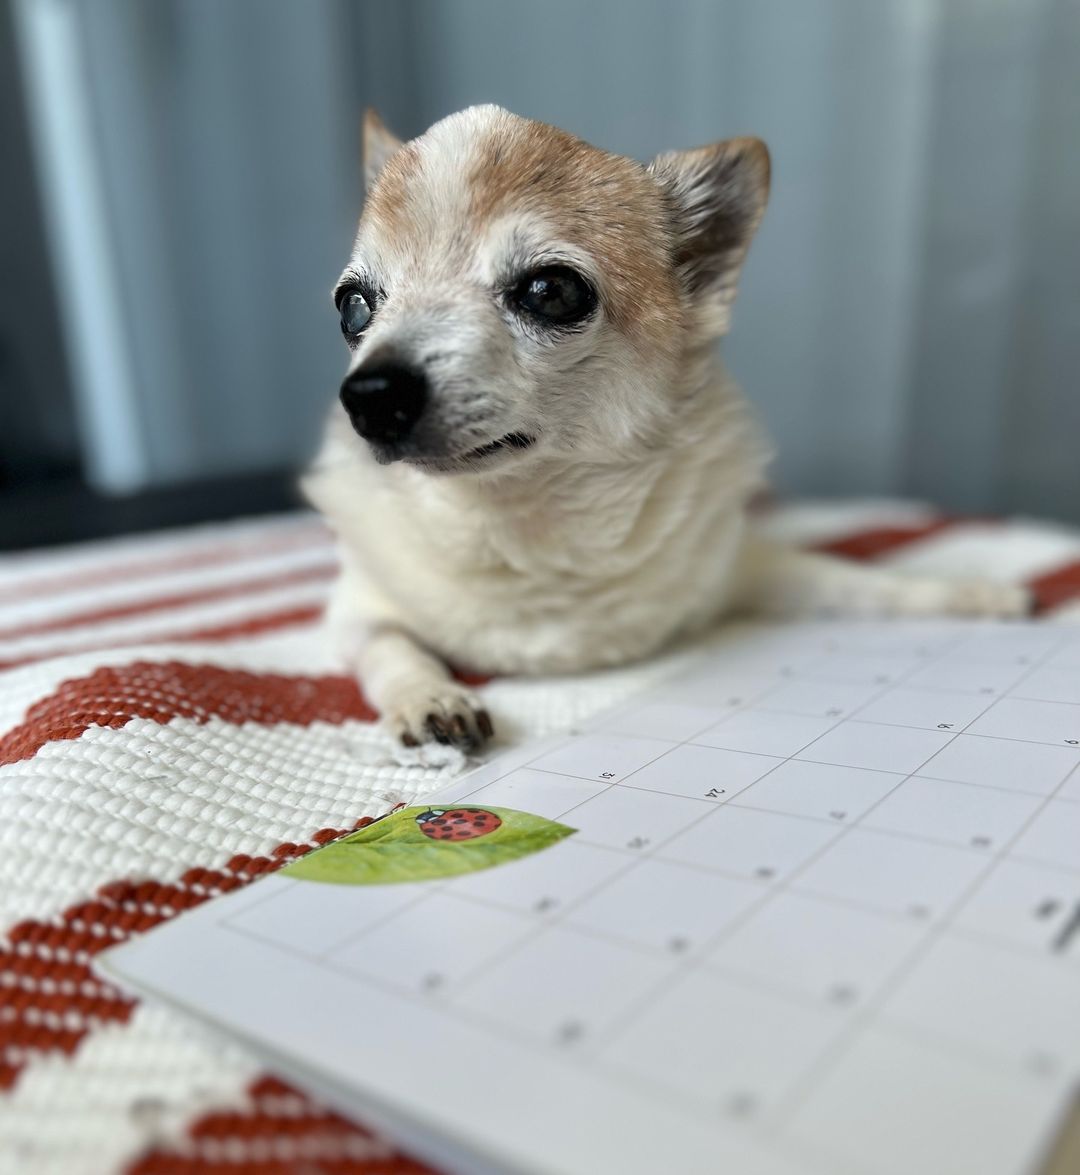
point(379, 144)
point(718, 194)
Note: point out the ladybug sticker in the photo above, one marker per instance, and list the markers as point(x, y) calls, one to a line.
point(423, 843)
point(457, 823)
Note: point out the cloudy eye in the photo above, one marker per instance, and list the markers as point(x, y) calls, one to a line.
point(555, 293)
point(355, 313)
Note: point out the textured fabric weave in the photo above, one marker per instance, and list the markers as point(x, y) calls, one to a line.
point(173, 725)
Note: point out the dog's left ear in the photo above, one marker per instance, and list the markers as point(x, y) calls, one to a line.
point(379, 144)
point(718, 195)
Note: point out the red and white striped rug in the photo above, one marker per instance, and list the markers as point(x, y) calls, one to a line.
point(172, 725)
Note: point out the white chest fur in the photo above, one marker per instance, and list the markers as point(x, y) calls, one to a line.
point(579, 565)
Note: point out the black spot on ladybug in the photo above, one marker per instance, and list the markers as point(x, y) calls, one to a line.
point(457, 823)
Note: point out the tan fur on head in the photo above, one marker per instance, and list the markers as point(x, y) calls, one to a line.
point(605, 204)
point(683, 225)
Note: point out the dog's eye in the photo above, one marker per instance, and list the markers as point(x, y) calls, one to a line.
point(355, 313)
point(556, 293)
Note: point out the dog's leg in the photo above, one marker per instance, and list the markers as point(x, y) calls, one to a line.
point(410, 687)
point(774, 580)
point(416, 695)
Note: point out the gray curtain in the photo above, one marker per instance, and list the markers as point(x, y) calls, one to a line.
point(910, 316)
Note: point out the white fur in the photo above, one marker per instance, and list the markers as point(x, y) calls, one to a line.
point(623, 527)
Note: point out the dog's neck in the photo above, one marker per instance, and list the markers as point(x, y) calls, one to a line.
point(563, 509)
point(563, 514)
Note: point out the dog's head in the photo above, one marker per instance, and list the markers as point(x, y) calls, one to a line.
point(514, 292)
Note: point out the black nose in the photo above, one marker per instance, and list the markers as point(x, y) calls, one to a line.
point(384, 402)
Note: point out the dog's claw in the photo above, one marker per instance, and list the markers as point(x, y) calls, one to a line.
point(465, 733)
point(436, 727)
point(451, 719)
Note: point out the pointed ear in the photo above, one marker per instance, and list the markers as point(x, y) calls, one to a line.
point(379, 144)
point(718, 194)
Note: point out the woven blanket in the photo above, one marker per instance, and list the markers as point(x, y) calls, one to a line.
point(173, 725)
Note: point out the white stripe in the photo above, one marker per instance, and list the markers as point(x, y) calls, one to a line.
point(252, 566)
point(152, 800)
point(1010, 552)
point(160, 626)
point(810, 522)
point(101, 555)
point(128, 1087)
point(151, 1079)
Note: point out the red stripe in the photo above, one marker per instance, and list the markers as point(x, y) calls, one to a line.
point(178, 600)
point(251, 626)
point(161, 691)
point(878, 541)
point(1055, 588)
point(277, 1117)
point(1049, 590)
point(78, 578)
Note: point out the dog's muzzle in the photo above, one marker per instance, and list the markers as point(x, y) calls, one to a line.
point(384, 402)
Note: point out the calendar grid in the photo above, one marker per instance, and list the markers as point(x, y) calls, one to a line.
point(768, 748)
point(770, 893)
point(873, 1007)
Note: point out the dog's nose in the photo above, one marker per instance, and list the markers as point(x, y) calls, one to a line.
point(384, 402)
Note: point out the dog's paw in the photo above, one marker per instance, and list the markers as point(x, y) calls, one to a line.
point(964, 597)
point(444, 713)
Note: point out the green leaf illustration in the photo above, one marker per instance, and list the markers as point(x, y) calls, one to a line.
point(421, 844)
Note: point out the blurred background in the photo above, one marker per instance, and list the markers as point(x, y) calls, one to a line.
point(181, 185)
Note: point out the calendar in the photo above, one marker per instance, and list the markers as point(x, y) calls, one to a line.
point(809, 907)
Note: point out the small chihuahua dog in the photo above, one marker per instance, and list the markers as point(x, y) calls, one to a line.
point(541, 465)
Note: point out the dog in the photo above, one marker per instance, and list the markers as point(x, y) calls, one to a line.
point(540, 464)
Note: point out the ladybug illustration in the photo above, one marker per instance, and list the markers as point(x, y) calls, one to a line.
point(457, 823)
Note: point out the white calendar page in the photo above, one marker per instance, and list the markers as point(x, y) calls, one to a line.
point(819, 914)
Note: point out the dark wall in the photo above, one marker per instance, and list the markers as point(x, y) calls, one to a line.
point(37, 425)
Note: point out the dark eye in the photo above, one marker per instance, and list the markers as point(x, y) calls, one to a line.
point(355, 312)
point(556, 293)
